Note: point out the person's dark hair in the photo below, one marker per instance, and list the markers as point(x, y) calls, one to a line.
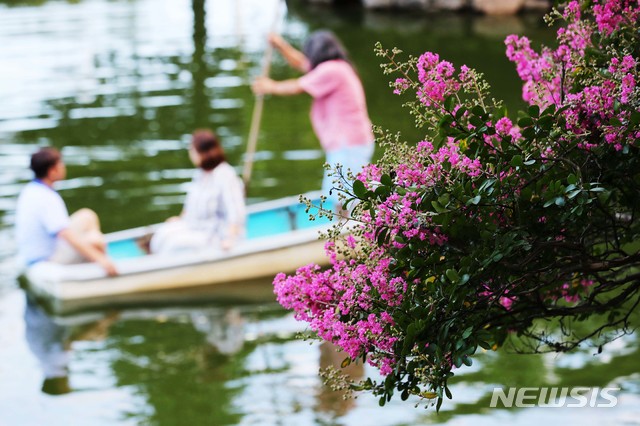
point(43, 160)
point(208, 147)
point(323, 46)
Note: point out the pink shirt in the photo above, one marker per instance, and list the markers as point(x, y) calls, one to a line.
point(339, 111)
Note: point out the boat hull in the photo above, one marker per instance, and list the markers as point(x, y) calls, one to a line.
point(243, 273)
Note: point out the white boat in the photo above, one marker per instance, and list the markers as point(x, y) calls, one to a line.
point(280, 238)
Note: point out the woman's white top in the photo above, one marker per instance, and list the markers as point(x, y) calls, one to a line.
point(215, 202)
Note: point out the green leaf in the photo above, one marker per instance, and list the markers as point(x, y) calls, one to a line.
point(444, 199)
point(477, 110)
point(449, 103)
point(382, 191)
point(445, 121)
point(476, 121)
point(484, 345)
point(525, 122)
point(467, 332)
point(549, 110)
point(571, 195)
point(635, 117)
point(386, 180)
point(616, 106)
point(546, 122)
point(528, 132)
point(346, 362)
point(615, 121)
point(516, 161)
point(534, 110)
point(453, 276)
point(359, 189)
point(572, 179)
point(382, 236)
point(475, 200)
point(437, 207)
point(460, 112)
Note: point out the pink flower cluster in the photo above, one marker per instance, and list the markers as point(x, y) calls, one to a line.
point(370, 173)
point(542, 79)
point(548, 76)
point(592, 110)
point(610, 14)
point(504, 129)
point(491, 296)
point(437, 79)
point(400, 85)
point(338, 304)
point(427, 167)
point(572, 292)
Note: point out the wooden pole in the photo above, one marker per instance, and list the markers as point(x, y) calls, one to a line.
point(256, 117)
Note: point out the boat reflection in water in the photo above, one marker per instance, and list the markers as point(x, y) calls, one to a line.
point(223, 330)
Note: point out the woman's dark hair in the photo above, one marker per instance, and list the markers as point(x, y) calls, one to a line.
point(208, 147)
point(43, 160)
point(323, 46)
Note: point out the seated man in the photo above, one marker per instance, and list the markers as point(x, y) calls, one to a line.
point(44, 230)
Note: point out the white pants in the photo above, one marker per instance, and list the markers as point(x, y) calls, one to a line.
point(177, 236)
point(86, 225)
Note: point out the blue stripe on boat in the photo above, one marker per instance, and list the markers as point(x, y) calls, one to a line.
point(259, 224)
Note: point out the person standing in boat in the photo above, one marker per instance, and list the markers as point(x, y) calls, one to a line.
point(44, 229)
point(339, 112)
point(214, 211)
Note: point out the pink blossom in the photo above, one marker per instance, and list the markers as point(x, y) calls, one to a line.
point(400, 85)
point(504, 126)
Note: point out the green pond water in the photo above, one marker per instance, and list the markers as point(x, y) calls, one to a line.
point(119, 85)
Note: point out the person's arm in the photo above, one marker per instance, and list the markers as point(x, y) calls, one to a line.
point(267, 86)
point(89, 251)
point(294, 57)
point(233, 233)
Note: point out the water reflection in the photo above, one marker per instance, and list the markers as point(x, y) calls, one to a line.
point(51, 342)
point(333, 401)
point(48, 342)
point(184, 362)
point(224, 330)
point(242, 364)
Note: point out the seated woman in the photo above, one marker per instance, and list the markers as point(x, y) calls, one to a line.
point(214, 211)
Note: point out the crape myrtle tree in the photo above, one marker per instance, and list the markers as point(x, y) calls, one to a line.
point(492, 226)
